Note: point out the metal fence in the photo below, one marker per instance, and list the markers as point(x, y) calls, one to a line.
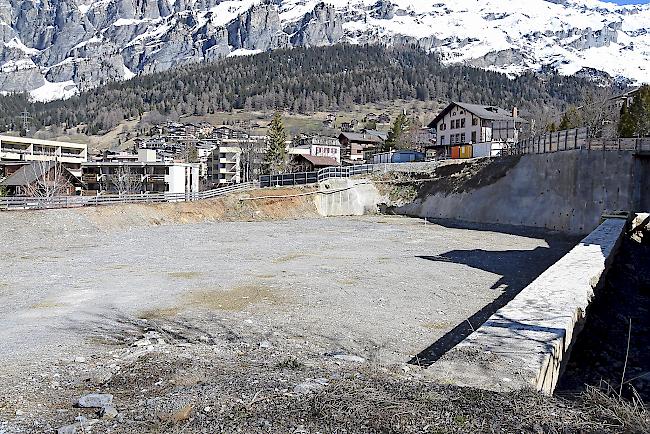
point(288, 179)
point(304, 178)
point(579, 138)
point(20, 202)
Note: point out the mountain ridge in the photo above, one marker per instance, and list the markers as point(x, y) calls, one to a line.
point(56, 48)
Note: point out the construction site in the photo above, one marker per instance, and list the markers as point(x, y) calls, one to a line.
point(489, 295)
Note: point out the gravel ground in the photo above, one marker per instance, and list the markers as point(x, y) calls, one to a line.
point(384, 288)
point(284, 308)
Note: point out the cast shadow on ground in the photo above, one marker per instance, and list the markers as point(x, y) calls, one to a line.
point(517, 268)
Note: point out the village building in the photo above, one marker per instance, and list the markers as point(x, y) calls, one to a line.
point(224, 165)
point(228, 132)
point(397, 156)
point(355, 145)
point(146, 175)
point(310, 163)
point(46, 178)
point(461, 124)
point(318, 146)
point(70, 155)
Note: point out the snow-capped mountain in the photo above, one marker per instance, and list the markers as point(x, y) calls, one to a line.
point(55, 48)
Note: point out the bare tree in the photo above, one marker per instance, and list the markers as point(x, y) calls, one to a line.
point(50, 180)
point(598, 114)
point(250, 160)
point(125, 181)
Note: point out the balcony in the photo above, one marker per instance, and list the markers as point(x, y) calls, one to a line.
point(15, 150)
point(91, 178)
point(154, 178)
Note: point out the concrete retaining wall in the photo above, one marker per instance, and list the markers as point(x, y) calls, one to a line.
point(347, 197)
point(565, 191)
point(525, 343)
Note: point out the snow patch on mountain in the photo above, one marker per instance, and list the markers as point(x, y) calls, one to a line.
point(53, 91)
point(90, 42)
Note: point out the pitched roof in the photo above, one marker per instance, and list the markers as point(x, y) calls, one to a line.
point(482, 111)
point(30, 173)
point(320, 161)
point(362, 138)
point(382, 135)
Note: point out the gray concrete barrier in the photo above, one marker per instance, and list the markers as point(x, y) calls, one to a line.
point(526, 343)
point(347, 197)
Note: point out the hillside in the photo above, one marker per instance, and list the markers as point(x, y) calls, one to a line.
point(302, 80)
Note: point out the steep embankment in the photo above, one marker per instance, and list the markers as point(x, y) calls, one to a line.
point(565, 191)
point(236, 207)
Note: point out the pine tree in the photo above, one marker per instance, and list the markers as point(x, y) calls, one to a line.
point(625, 123)
point(635, 118)
point(397, 130)
point(275, 160)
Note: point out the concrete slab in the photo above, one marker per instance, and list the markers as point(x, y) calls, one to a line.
point(524, 344)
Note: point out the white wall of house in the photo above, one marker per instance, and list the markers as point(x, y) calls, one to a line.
point(224, 165)
point(326, 151)
point(460, 127)
point(183, 178)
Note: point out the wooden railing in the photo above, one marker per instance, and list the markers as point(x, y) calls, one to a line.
point(580, 139)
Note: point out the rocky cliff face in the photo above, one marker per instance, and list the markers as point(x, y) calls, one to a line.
point(50, 45)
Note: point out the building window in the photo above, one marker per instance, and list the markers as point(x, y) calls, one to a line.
point(442, 140)
point(462, 138)
point(473, 136)
point(474, 121)
point(462, 123)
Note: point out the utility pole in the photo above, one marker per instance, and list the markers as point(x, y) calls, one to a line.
point(25, 119)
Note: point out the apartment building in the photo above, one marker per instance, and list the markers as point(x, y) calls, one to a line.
point(70, 155)
point(224, 165)
point(464, 124)
point(146, 175)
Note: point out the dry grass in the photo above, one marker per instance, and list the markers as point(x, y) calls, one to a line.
point(185, 275)
point(437, 325)
point(347, 281)
point(160, 313)
point(633, 415)
point(47, 305)
point(288, 258)
point(235, 299)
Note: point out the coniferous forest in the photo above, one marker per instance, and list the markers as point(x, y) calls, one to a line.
point(302, 80)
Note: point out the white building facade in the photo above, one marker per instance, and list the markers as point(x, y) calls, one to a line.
point(143, 176)
point(224, 166)
point(70, 155)
point(465, 124)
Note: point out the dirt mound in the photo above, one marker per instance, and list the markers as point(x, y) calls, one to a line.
point(235, 207)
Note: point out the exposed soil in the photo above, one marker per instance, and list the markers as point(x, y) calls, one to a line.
point(455, 177)
point(181, 379)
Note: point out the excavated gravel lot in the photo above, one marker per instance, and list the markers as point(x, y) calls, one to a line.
point(384, 288)
point(374, 290)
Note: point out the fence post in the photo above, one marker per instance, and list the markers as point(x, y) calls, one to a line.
point(566, 139)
